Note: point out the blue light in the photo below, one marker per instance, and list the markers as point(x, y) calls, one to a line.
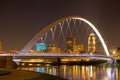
point(40, 69)
point(41, 46)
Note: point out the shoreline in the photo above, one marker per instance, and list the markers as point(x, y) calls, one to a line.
point(27, 75)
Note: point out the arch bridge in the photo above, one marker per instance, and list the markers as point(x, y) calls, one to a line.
point(60, 22)
point(52, 28)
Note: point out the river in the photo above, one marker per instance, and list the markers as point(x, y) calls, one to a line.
point(79, 72)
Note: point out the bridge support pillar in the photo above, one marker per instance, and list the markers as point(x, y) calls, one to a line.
point(9, 62)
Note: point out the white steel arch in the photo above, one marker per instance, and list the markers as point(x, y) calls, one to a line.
point(41, 33)
point(98, 34)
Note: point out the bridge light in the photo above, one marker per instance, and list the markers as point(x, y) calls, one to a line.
point(114, 52)
point(41, 38)
point(23, 64)
point(59, 23)
point(38, 64)
point(91, 53)
point(30, 64)
point(51, 29)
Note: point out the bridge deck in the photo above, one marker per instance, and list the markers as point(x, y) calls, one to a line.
point(45, 55)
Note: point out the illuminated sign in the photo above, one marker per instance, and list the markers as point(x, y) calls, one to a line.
point(41, 46)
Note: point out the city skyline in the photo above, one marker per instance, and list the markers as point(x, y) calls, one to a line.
point(21, 20)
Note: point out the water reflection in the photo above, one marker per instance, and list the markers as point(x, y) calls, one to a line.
point(77, 72)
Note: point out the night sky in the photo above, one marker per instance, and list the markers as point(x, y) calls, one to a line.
point(21, 20)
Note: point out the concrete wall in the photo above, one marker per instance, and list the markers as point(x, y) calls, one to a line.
point(7, 62)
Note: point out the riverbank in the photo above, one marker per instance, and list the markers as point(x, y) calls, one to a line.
point(27, 75)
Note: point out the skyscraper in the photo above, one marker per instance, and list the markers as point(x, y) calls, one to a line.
point(92, 43)
point(70, 42)
point(0, 46)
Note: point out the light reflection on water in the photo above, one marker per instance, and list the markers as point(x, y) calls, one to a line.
point(77, 72)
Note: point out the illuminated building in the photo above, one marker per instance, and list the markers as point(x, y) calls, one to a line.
point(72, 47)
point(52, 48)
point(70, 43)
point(92, 43)
point(13, 51)
point(115, 53)
point(0, 46)
point(1, 52)
point(78, 48)
point(40, 46)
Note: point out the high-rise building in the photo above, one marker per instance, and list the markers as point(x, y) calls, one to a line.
point(0, 46)
point(53, 48)
point(92, 43)
point(70, 42)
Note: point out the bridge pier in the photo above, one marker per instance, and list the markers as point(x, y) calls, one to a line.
point(7, 62)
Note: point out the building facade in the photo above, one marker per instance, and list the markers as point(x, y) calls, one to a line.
point(92, 43)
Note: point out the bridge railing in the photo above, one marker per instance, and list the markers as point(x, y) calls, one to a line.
point(61, 55)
